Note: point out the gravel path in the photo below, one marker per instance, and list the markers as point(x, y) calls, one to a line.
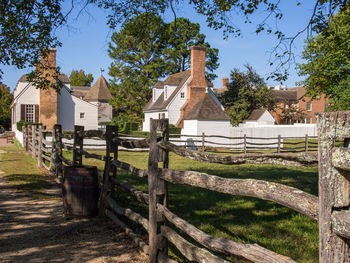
point(36, 231)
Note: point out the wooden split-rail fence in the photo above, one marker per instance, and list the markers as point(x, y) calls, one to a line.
point(330, 209)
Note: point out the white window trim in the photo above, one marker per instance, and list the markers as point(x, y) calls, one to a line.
point(310, 106)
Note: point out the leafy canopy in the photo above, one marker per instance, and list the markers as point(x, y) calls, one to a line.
point(327, 69)
point(246, 91)
point(5, 101)
point(141, 57)
point(79, 78)
point(222, 14)
point(26, 29)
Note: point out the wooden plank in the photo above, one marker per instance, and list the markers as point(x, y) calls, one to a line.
point(341, 223)
point(341, 158)
point(40, 137)
point(137, 239)
point(95, 133)
point(190, 251)
point(133, 216)
point(47, 158)
point(139, 195)
point(291, 197)
point(254, 253)
point(333, 186)
point(302, 159)
point(94, 156)
point(132, 169)
point(130, 144)
point(78, 145)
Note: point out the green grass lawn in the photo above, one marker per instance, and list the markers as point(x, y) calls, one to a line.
point(22, 172)
point(243, 219)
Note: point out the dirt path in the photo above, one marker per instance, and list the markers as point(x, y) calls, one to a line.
point(36, 231)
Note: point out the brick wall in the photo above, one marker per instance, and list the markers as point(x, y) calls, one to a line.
point(197, 86)
point(48, 97)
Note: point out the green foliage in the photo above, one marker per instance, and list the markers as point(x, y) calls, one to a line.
point(21, 123)
point(328, 63)
point(5, 102)
point(79, 78)
point(141, 57)
point(183, 34)
point(129, 127)
point(174, 130)
point(246, 91)
point(26, 28)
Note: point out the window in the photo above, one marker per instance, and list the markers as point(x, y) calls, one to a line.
point(326, 106)
point(308, 106)
point(182, 95)
point(82, 115)
point(29, 112)
point(29, 115)
point(163, 115)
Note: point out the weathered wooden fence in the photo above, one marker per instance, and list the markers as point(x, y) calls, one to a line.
point(330, 209)
point(246, 144)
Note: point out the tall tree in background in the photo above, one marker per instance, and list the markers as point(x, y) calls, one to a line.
point(79, 78)
point(183, 34)
point(141, 57)
point(246, 91)
point(5, 101)
point(328, 63)
point(137, 63)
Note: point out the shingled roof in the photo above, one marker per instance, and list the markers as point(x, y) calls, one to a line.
point(256, 114)
point(79, 91)
point(62, 77)
point(285, 95)
point(178, 80)
point(99, 91)
point(207, 109)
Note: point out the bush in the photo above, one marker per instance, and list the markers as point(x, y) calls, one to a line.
point(174, 130)
point(22, 123)
point(129, 127)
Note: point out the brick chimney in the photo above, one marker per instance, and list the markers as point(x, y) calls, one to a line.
point(197, 87)
point(48, 97)
point(224, 83)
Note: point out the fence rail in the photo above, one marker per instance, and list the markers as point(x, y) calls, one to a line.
point(330, 209)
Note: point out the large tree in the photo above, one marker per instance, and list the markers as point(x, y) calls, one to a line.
point(182, 34)
point(5, 101)
point(222, 15)
point(141, 57)
point(79, 78)
point(246, 91)
point(26, 30)
point(328, 62)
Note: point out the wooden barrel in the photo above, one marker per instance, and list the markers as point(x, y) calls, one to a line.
point(80, 191)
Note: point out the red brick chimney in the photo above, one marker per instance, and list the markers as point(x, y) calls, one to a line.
point(224, 82)
point(197, 87)
point(48, 97)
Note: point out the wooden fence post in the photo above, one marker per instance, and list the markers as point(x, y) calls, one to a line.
point(24, 128)
point(57, 149)
point(111, 146)
point(40, 138)
point(203, 141)
point(33, 141)
point(245, 143)
point(279, 144)
point(333, 187)
point(306, 143)
point(157, 190)
point(78, 145)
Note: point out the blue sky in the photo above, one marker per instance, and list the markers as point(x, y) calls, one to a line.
point(85, 43)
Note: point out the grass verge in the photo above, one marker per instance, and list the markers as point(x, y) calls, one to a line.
point(22, 173)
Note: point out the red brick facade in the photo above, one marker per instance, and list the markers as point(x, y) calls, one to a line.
point(196, 89)
point(48, 97)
